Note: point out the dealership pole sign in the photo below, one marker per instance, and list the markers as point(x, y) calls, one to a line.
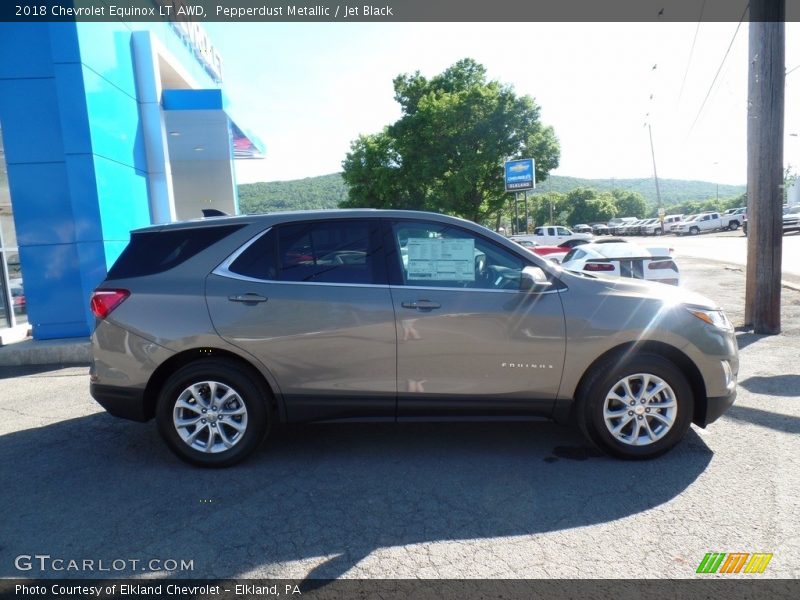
point(520, 175)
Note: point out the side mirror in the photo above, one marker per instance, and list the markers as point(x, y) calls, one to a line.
point(534, 279)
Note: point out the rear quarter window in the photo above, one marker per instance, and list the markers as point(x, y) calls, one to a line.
point(152, 252)
point(339, 251)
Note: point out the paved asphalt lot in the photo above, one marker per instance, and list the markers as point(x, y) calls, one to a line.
point(729, 246)
point(469, 500)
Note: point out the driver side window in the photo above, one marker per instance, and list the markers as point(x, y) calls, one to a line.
point(439, 255)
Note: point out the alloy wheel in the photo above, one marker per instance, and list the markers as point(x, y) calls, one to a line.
point(640, 409)
point(210, 416)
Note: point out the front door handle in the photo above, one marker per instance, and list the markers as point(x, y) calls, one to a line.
point(247, 298)
point(423, 305)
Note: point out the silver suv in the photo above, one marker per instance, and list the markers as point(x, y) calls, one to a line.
point(221, 328)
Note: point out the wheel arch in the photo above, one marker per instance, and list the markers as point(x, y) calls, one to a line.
point(671, 353)
point(181, 359)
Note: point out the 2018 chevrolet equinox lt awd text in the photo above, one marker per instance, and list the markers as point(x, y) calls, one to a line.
point(222, 327)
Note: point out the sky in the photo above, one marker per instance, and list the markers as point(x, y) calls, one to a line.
point(307, 90)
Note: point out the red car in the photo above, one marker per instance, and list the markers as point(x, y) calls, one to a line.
point(554, 253)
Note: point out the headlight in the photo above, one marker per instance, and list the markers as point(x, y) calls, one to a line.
point(715, 318)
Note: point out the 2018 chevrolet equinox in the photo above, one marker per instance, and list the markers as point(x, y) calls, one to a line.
point(221, 327)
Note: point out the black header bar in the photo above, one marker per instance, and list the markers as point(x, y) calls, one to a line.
point(233, 11)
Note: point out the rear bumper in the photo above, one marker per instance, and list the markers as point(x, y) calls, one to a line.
point(126, 403)
point(715, 408)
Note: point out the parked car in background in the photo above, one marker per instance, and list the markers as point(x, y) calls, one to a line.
point(557, 253)
point(616, 224)
point(600, 229)
point(643, 227)
point(667, 223)
point(222, 328)
point(657, 250)
point(736, 211)
point(686, 219)
point(527, 244)
point(553, 253)
point(734, 219)
point(552, 235)
point(791, 220)
point(623, 259)
point(702, 223)
point(582, 228)
point(630, 228)
point(658, 226)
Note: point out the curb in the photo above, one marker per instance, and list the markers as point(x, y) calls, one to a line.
point(73, 351)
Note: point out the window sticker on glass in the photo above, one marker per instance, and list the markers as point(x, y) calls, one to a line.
point(438, 259)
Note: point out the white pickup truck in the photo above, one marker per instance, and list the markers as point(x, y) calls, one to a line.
point(708, 222)
point(734, 217)
point(553, 235)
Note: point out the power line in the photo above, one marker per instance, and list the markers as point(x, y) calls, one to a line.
point(711, 87)
point(691, 52)
point(792, 69)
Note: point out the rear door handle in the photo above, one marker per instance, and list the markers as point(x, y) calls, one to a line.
point(247, 298)
point(423, 305)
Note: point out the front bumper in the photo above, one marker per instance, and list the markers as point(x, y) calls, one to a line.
point(714, 408)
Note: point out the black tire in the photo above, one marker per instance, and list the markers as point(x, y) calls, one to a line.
point(733, 225)
point(605, 378)
point(243, 430)
point(658, 231)
point(694, 231)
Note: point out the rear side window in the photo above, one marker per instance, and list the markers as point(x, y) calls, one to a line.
point(154, 252)
point(574, 254)
point(340, 251)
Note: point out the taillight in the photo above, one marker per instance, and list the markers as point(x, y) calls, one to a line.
point(598, 267)
point(105, 301)
point(663, 264)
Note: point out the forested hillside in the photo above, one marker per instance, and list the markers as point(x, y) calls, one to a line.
point(673, 191)
point(327, 191)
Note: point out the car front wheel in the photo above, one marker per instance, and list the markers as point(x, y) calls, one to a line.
point(635, 408)
point(212, 413)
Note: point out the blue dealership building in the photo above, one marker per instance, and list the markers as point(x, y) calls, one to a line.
point(104, 128)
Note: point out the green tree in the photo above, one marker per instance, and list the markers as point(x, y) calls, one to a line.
point(446, 151)
point(547, 204)
point(790, 178)
point(629, 204)
point(590, 206)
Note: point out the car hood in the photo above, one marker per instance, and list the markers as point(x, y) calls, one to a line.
point(624, 286)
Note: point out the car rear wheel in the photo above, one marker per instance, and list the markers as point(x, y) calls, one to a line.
point(635, 408)
point(734, 225)
point(212, 413)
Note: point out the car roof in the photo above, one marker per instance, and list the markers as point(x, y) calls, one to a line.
point(311, 215)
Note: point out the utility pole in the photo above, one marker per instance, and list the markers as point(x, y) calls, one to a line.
point(655, 173)
point(527, 226)
point(765, 165)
